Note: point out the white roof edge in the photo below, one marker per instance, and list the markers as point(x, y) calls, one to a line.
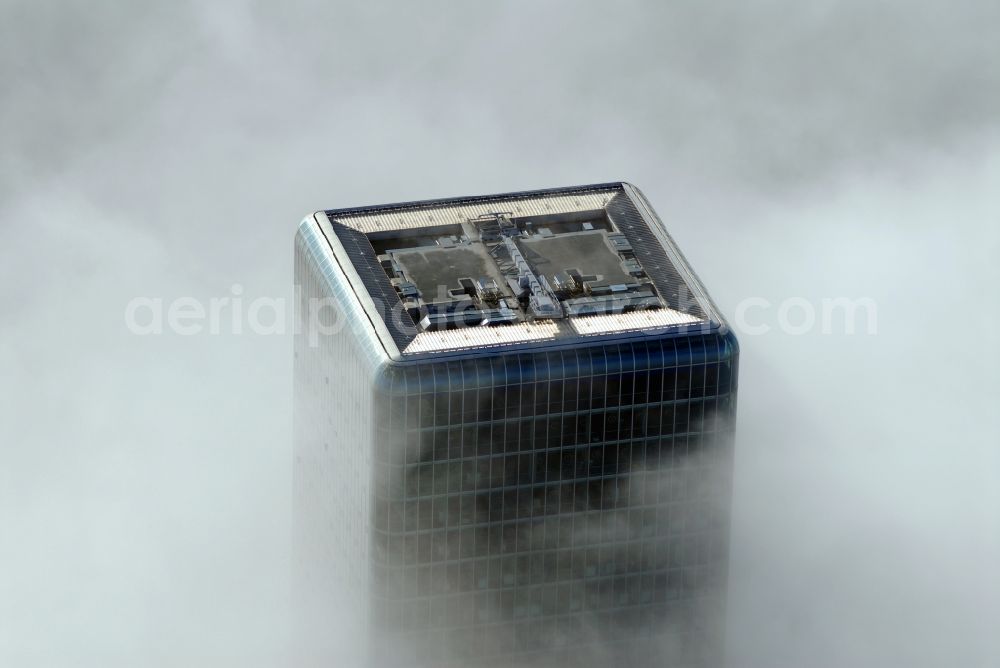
point(338, 255)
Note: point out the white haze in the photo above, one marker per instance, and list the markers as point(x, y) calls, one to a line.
point(795, 149)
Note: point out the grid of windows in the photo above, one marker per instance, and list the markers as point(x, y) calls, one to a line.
point(333, 458)
point(541, 502)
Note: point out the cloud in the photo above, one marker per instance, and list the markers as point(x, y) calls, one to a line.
point(817, 150)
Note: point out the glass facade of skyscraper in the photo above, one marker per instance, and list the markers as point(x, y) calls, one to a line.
point(554, 502)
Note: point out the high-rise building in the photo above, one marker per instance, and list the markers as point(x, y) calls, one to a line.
point(514, 433)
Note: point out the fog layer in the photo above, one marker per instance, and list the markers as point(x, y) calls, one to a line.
point(815, 150)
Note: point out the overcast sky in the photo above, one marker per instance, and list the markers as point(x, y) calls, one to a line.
point(795, 149)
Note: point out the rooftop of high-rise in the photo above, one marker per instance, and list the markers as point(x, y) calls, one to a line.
point(516, 269)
